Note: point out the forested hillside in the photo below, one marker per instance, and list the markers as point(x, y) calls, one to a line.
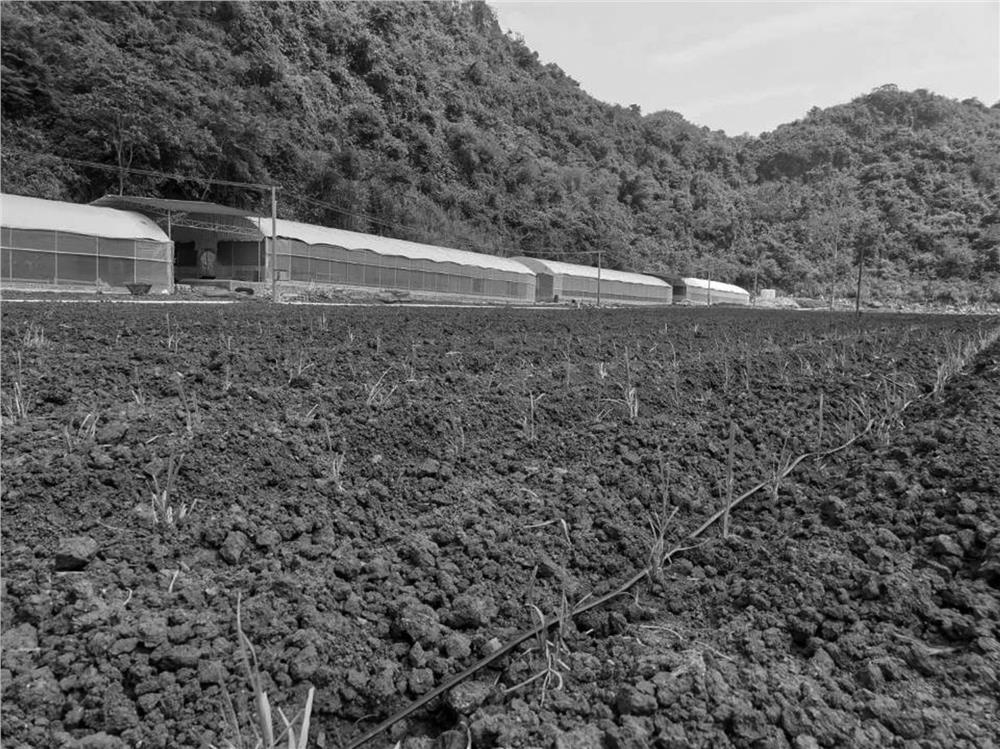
point(425, 121)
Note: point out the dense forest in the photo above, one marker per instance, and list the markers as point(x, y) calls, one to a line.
point(425, 121)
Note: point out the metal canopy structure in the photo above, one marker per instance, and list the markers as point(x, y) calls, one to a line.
point(192, 214)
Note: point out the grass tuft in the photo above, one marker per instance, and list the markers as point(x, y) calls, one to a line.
point(265, 734)
point(165, 512)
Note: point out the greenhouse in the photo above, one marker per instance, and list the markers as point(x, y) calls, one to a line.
point(316, 254)
point(66, 244)
point(567, 282)
point(708, 292)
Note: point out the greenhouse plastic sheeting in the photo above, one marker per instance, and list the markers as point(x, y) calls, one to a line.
point(21, 212)
point(382, 263)
point(47, 241)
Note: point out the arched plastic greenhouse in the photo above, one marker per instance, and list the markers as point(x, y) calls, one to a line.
point(317, 254)
point(568, 282)
point(66, 244)
point(708, 292)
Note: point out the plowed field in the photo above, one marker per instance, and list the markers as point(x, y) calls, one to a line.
point(391, 495)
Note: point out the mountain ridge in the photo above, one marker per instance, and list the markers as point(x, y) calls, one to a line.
point(427, 122)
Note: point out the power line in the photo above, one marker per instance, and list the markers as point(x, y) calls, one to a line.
point(229, 183)
point(313, 201)
point(353, 214)
point(161, 175)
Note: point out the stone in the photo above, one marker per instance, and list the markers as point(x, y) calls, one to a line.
point(211, 672)
point(907, 724)
point(148, 701)
point(468, 696)
point(378, 567)
point(118, 712)
point(20, 645)
point(420, 623)
point(38, 693)
point(634, 701)
point(673, 736)
point(945, 545)
point(124, 645)
point(822, 663)
point(111, 433)
point(490, 646)
point(74, 553)
point(418, 656)
point(452, 740)
point(99, 740)
point(833, 510)
point(421, 681)
point(268, 538)
point(470, 611)
point(429, 467)
point(233, 547)
point(794, 720)
point(870, 676)
point(153, 629)
point(305, 663)
point(457, 645)
point(178, 657)
point(584, 737)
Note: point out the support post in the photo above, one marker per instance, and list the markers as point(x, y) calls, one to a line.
point(600, 255)
point(274, 243)
point(861, 268)
point(173, 254)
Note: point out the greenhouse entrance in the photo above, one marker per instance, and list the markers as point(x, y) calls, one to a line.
point(213, 244)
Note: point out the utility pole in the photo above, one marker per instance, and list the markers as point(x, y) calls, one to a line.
point(600, 254)
point(173, 252)
point(274, 243)
point(861, 268)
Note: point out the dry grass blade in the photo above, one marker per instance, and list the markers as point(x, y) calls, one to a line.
point(562, 522)
point(729, 479)
point(165, 513)
point(247, 653)
point(658, 525)
point(378, 393)
point(265, 737)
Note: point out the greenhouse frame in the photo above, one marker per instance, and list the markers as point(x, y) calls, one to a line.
point(346, 259)
point(67, 244)
point(211, 241)
point(708, 292)
point(584, 284)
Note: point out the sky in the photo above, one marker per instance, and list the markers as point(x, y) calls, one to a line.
point(746, 67)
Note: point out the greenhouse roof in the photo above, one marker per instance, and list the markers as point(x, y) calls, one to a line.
point(351, 240)
point(163, 205)
point(20, 212)
point(703, 283)
point(194, 214)
point(586, 271)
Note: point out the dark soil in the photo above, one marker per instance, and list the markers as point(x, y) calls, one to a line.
point(492, 471)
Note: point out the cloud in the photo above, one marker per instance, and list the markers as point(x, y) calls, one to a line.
point(788, 26)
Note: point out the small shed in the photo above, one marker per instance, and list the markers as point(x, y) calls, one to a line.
point(708, 292)
point(584, 284)
point(318, 254)
point(68, 244)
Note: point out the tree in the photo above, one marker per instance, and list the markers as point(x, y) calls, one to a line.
point(832, 222)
